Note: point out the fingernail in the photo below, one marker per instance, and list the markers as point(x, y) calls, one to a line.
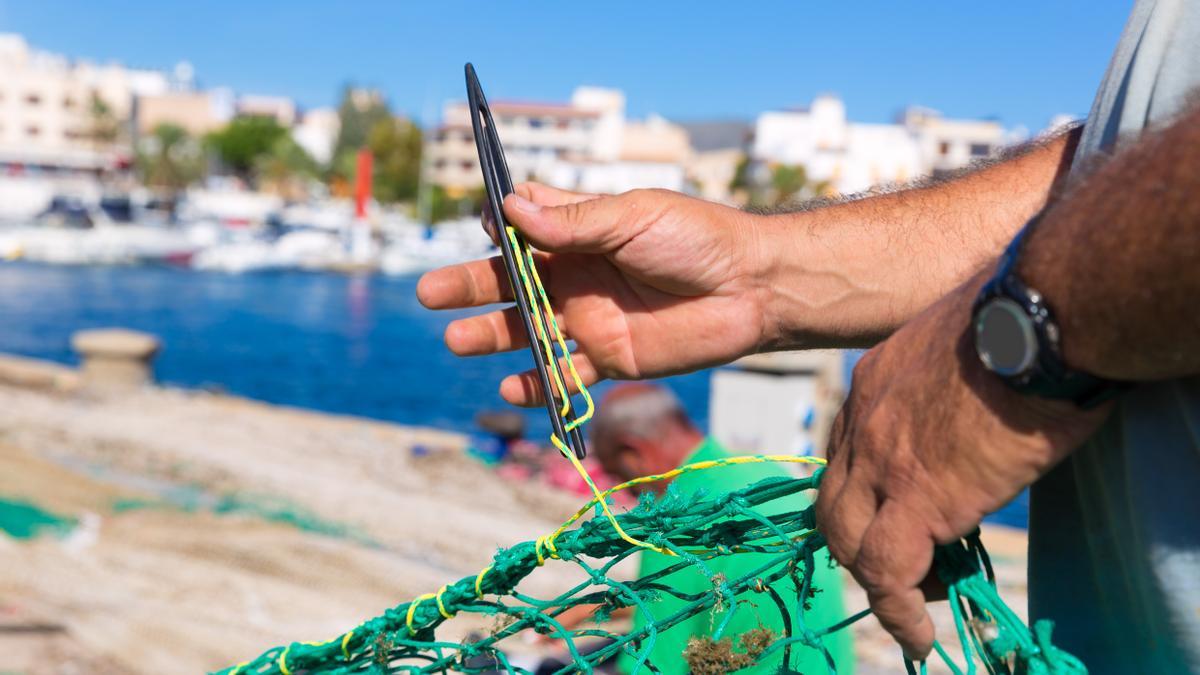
point(522, 204)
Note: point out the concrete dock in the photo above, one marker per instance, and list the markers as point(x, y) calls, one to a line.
point(154, 578)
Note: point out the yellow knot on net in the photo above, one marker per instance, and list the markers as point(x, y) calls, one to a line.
point(441, 606)
point(479, 581)
point(412, 609)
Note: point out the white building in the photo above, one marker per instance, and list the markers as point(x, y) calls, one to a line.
point(586, 144)
point(947, 145)
point(317, 132)
point(851, 157)
point(46, 120)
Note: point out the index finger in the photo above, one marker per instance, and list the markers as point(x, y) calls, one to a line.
point(471, 284)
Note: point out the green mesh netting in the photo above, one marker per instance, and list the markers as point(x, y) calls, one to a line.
point(697, 530)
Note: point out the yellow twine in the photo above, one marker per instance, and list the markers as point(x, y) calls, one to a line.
point(541, 316)
point(479, 581)
point(283, 667)
point(412, 608)
point(442, 607)
point(547, 540)
point(562, 344)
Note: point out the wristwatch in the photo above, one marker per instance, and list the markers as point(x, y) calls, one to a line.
point(1017, 338)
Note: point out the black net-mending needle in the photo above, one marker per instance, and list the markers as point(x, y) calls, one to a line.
point(498, 185)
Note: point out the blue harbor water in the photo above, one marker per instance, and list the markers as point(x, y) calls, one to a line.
point(359, 345)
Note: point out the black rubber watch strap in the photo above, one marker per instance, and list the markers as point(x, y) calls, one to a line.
point(1049, 376)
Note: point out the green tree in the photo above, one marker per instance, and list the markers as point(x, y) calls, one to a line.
point(444, 206)
point(741, 175)
point(104, 128)
point(788, 181)
point(748, 180)
point(396, 147)
point(359, 112)
point(169, 158)
point(285, 167)
point(244, 140)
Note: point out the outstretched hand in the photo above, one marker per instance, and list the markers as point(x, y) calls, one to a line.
point(647, 283)
point(928, 443)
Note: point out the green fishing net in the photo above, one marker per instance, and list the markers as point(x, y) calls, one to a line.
point(697, 531)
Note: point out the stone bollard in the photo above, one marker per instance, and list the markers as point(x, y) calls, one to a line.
point(114, 359)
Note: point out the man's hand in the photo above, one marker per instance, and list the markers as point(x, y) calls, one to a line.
point(927, 444)
point(646, 283)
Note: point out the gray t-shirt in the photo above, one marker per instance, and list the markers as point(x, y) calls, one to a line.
point(1115, 530)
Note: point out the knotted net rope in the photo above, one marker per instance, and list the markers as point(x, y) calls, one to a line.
point(697, 530)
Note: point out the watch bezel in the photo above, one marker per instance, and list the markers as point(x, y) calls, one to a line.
point(1027, 329)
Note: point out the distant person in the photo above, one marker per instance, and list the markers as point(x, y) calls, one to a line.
point(1070, 363)
point(641, 429)
point(504, 430)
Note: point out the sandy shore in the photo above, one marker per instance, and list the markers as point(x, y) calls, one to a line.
point(169, 590)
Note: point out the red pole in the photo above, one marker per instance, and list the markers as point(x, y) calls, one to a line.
point(362, 184)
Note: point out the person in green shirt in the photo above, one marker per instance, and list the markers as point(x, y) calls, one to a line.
point(641, 429)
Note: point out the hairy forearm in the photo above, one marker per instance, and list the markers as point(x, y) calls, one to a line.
point(851, 273)
point(1118, 259)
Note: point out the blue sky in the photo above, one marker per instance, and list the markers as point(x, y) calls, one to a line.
point(1018, 61)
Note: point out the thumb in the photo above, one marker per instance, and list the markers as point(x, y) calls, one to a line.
point(597, 225)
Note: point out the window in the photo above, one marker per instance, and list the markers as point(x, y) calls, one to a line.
point(439, 163)
point(564, 123)
point(944, 148)
point(980, 149)
point(535, 123)
point(32, 131)
point(467, 165)
point(33, 99)
point(68, 103)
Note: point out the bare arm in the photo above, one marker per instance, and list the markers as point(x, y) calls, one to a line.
point(652, 283)
point(929, 441)
point(1118, 259)
point(850, 274)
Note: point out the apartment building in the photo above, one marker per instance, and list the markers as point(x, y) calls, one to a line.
point(584, 144)
point(851, 157)
point(46, 113)
point(280, 108)
point(317, 132)
point(946, 145)
point(196, 111)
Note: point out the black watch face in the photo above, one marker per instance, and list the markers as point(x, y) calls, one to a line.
point(1004, 337)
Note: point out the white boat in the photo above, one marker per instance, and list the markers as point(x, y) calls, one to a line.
point(305, 249)
point(417, 249)
point(74, 232)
